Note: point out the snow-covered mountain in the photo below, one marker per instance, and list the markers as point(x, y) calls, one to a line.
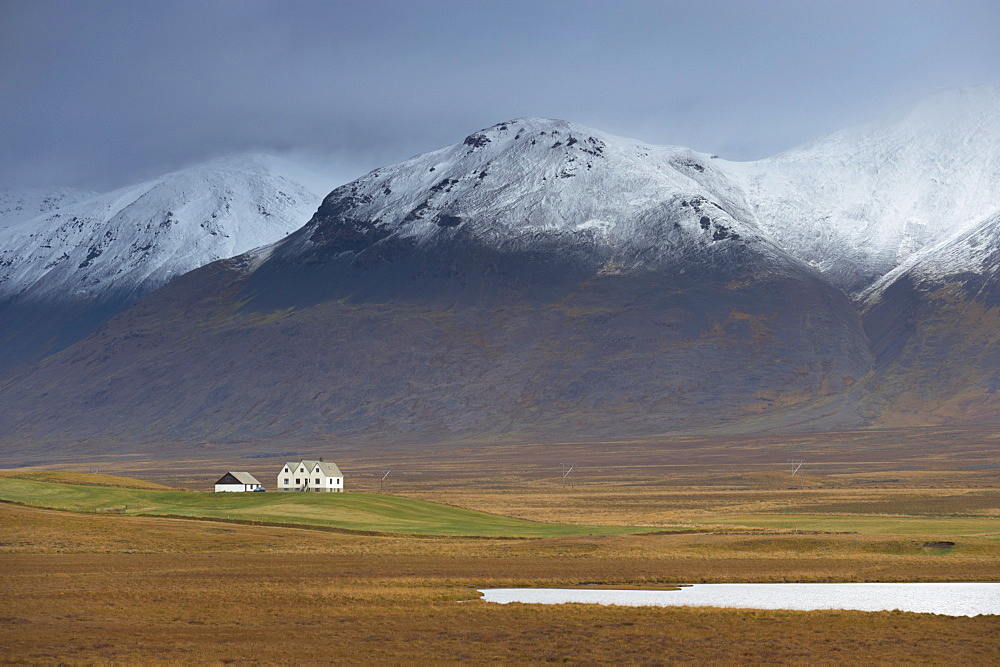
point(133, 240)
point(66, 270)
point(859, 202)
point(854, 205)
point(934, 326)
point(537, 279)
point(18, 205)
point(530, 182)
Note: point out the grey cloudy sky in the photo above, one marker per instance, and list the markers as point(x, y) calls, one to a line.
point(99, 94)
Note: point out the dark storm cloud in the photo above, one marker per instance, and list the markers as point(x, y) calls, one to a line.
point(101, 94)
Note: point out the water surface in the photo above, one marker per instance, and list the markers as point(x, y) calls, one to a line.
point(950, 599)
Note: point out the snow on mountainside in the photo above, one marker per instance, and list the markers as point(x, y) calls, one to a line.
point(17, 205)
point(857, 203)
point(530, 182)
point(853, 205)
point(132, 240)
point(934, 327)
point(970, 259)
point(536, 280)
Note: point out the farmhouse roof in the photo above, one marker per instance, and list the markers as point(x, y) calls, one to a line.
point(241, 477)
point(329, 469)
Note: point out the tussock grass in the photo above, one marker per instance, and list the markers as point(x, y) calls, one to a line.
point(86, 587)
point(957, 528)
point(956, 513)
point(289, 595)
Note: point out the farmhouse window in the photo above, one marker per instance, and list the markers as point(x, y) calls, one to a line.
point(286, 481)
point(317, 480)
point(298, 481)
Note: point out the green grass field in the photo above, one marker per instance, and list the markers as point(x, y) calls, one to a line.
point(393, 514)
point(345, 511)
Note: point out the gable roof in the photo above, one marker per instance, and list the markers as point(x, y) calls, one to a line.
point(326, 467)
point(239, 477)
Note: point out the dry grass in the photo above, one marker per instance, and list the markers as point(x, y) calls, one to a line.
point(623, 559)
point(309, 609)
point(82, 478)
point(901, 458)
point(83, 588)
point(610, 503)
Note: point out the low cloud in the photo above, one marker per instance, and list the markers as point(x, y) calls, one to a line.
point(102, 94)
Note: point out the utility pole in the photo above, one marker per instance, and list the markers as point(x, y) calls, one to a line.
point(798, 465)
point(566, 474)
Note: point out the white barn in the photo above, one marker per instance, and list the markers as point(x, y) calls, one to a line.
point(310, 476)
point(237, 482)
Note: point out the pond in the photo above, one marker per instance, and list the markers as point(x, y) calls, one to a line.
point(950, 599)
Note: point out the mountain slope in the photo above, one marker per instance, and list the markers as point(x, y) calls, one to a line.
point(537, 280)
point(66, 270)
point(137, 238)
point(540, 280)
point(18, 205)
point(934, 324)
point(857, 203)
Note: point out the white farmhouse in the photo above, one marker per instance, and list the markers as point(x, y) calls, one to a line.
point(310, 476)
point(238, 482)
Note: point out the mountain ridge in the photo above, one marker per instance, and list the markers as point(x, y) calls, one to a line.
point(153, 230)
point(541, 280)
point(858, 202)
point(67, 270)
point(432, 300)
point(933, 323)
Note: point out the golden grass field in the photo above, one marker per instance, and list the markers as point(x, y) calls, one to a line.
point(84, 587)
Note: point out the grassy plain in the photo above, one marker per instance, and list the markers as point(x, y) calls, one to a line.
point(85, 587)
point(354, 512)
point(107, 588)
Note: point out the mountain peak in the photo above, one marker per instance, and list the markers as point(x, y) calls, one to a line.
point(857, 203)
point(136, 238)
point(528, 181)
